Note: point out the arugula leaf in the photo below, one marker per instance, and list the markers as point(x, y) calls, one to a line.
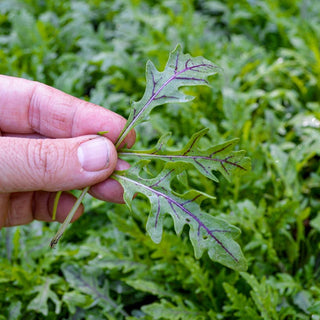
point(167, 310)
point(44, 293)
point(219, 158)
point(238, 301)
point(162, 87)
point(15, 310)
point(86, 283)
point(155, 289)
point(206, 232)
point(264, 296)
point(75, 299)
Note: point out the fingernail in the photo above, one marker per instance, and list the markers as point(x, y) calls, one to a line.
point(94, 154)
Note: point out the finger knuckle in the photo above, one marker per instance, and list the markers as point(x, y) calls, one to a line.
point(44, 159)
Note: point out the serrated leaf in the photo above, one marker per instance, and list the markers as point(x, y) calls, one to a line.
point(264, 295)
point(241, 306)
point(206, 232)
point(220, 158)
point(162, 87)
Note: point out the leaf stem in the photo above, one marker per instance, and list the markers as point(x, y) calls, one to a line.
point(55, 205)
point(66, 222)
point(121, 137)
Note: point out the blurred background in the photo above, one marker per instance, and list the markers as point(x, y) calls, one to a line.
point(267, 94)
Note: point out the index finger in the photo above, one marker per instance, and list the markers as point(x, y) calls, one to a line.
point(32, 107)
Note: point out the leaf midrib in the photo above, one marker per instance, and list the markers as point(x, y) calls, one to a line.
point(172, 201)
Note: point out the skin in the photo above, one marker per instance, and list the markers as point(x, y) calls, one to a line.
point(41, 129)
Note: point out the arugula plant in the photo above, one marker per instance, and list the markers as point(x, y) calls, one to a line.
point(206, 232)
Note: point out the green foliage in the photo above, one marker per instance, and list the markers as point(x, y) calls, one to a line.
point(267, 96)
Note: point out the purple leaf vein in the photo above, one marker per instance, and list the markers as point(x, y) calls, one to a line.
point(185, 210)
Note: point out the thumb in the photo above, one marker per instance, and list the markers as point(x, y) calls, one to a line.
point(54, 164)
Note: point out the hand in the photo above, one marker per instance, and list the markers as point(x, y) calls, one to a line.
point(48, 143)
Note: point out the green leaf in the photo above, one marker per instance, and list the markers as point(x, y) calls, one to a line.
point(206, 232)
point(265, 297)
point(15, 310)
point(162, 87)
point(150, 287)
point(303, 299)
point(44, 293)
point(315, 223)
point(88, 284)
point(218, 158)
point(166, 310)
point(74, 300)
point(314, 309)
point(241, 306)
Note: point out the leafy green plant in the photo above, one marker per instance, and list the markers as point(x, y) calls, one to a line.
point(206, 232)
point(267, 95)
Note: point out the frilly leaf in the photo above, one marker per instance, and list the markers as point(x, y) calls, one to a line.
point(207, 233)
point(162, 87)
point(220, 158)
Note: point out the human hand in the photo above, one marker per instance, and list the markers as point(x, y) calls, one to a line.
point(49, 143)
